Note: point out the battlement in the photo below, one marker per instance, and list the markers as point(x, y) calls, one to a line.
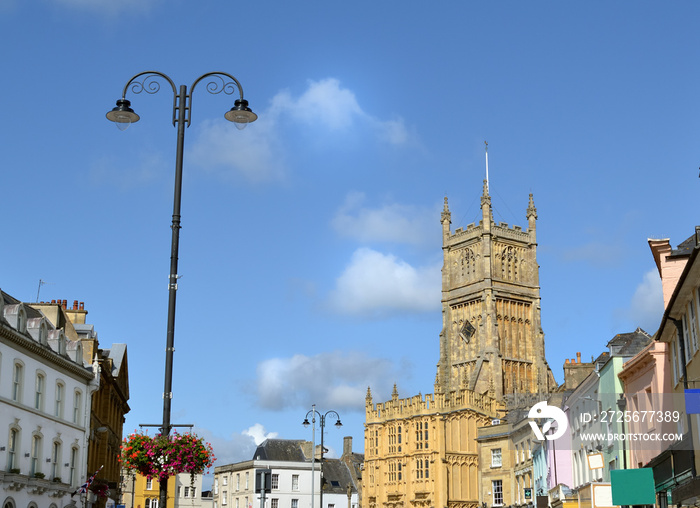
point(505, 225)
point(419, 405)
point(501, 229)
point(515, 232)
point(470, 229)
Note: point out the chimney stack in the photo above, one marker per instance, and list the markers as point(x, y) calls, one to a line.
point(347, 445)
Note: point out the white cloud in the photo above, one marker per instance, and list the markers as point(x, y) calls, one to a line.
point(391, 222)
point(253, 154)
point(235, 447)
point(647, 305)
point(327, 104)
point(260, 153)
point(393, 132)
point(376, 285)
point(259, 434)
point(335, 379)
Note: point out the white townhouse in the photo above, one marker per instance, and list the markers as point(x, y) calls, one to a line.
point(45, 398)
point(291, 469)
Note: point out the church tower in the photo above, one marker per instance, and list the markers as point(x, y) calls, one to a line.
point(422, 451)
point(491, 341)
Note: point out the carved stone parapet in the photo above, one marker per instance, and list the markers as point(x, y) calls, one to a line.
point(38, 485)
point(463, 504)
point(14, 482)
point(59, 490)
point(522, 470)
point(394, 500)
point(421, 499)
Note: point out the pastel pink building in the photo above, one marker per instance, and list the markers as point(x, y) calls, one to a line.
point(647, 381)
point(647, 377)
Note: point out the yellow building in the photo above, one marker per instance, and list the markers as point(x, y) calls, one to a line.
point(140, 492)
point(497, 459)
point(183, 491)
point(505, 458)
point(422, 450)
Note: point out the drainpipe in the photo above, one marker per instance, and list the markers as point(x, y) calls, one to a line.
point(681, 342)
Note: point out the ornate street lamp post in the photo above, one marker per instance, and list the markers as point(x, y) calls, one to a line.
point(124, 116)
point(305, 423)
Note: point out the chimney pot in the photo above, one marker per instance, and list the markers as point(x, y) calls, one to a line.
point(82, 305)
point(65, 304)
point(578, 357)
point(75, 304)
point(53, 301)
point(567, 361)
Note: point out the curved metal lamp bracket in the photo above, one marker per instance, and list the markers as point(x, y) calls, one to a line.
point(150, 85)
point(224, 82)
point(147, 81)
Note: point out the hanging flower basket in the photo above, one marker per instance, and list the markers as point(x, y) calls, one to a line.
point(164, 456)
point(100, 489)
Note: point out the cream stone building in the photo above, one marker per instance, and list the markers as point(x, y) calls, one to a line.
point(421, 451)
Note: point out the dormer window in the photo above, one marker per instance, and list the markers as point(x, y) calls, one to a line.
point(43, 333)
point(61, 343)
point(21, 319)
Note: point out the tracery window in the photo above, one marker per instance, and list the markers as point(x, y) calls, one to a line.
point(421, 435)
point(468, 261)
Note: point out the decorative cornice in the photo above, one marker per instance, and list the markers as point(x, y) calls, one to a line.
point(471, 459)
point(44, 352)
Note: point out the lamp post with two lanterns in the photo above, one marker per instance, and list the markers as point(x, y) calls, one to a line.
point(123, 116)
point(322, 421)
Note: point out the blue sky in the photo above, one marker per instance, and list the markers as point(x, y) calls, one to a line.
point(310, 244)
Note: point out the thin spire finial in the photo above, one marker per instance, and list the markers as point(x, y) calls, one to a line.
point(487, 165)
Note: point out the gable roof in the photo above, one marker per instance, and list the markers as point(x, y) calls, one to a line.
point(336, 477)
point(629, 344)
point(289, 450)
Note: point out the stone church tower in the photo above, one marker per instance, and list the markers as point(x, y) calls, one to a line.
point(491, 340)
point(421, 451)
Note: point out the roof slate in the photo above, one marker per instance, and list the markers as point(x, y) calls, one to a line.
point(280, 449)
point(630, 344)
point(336, 477)
point(685, 248)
